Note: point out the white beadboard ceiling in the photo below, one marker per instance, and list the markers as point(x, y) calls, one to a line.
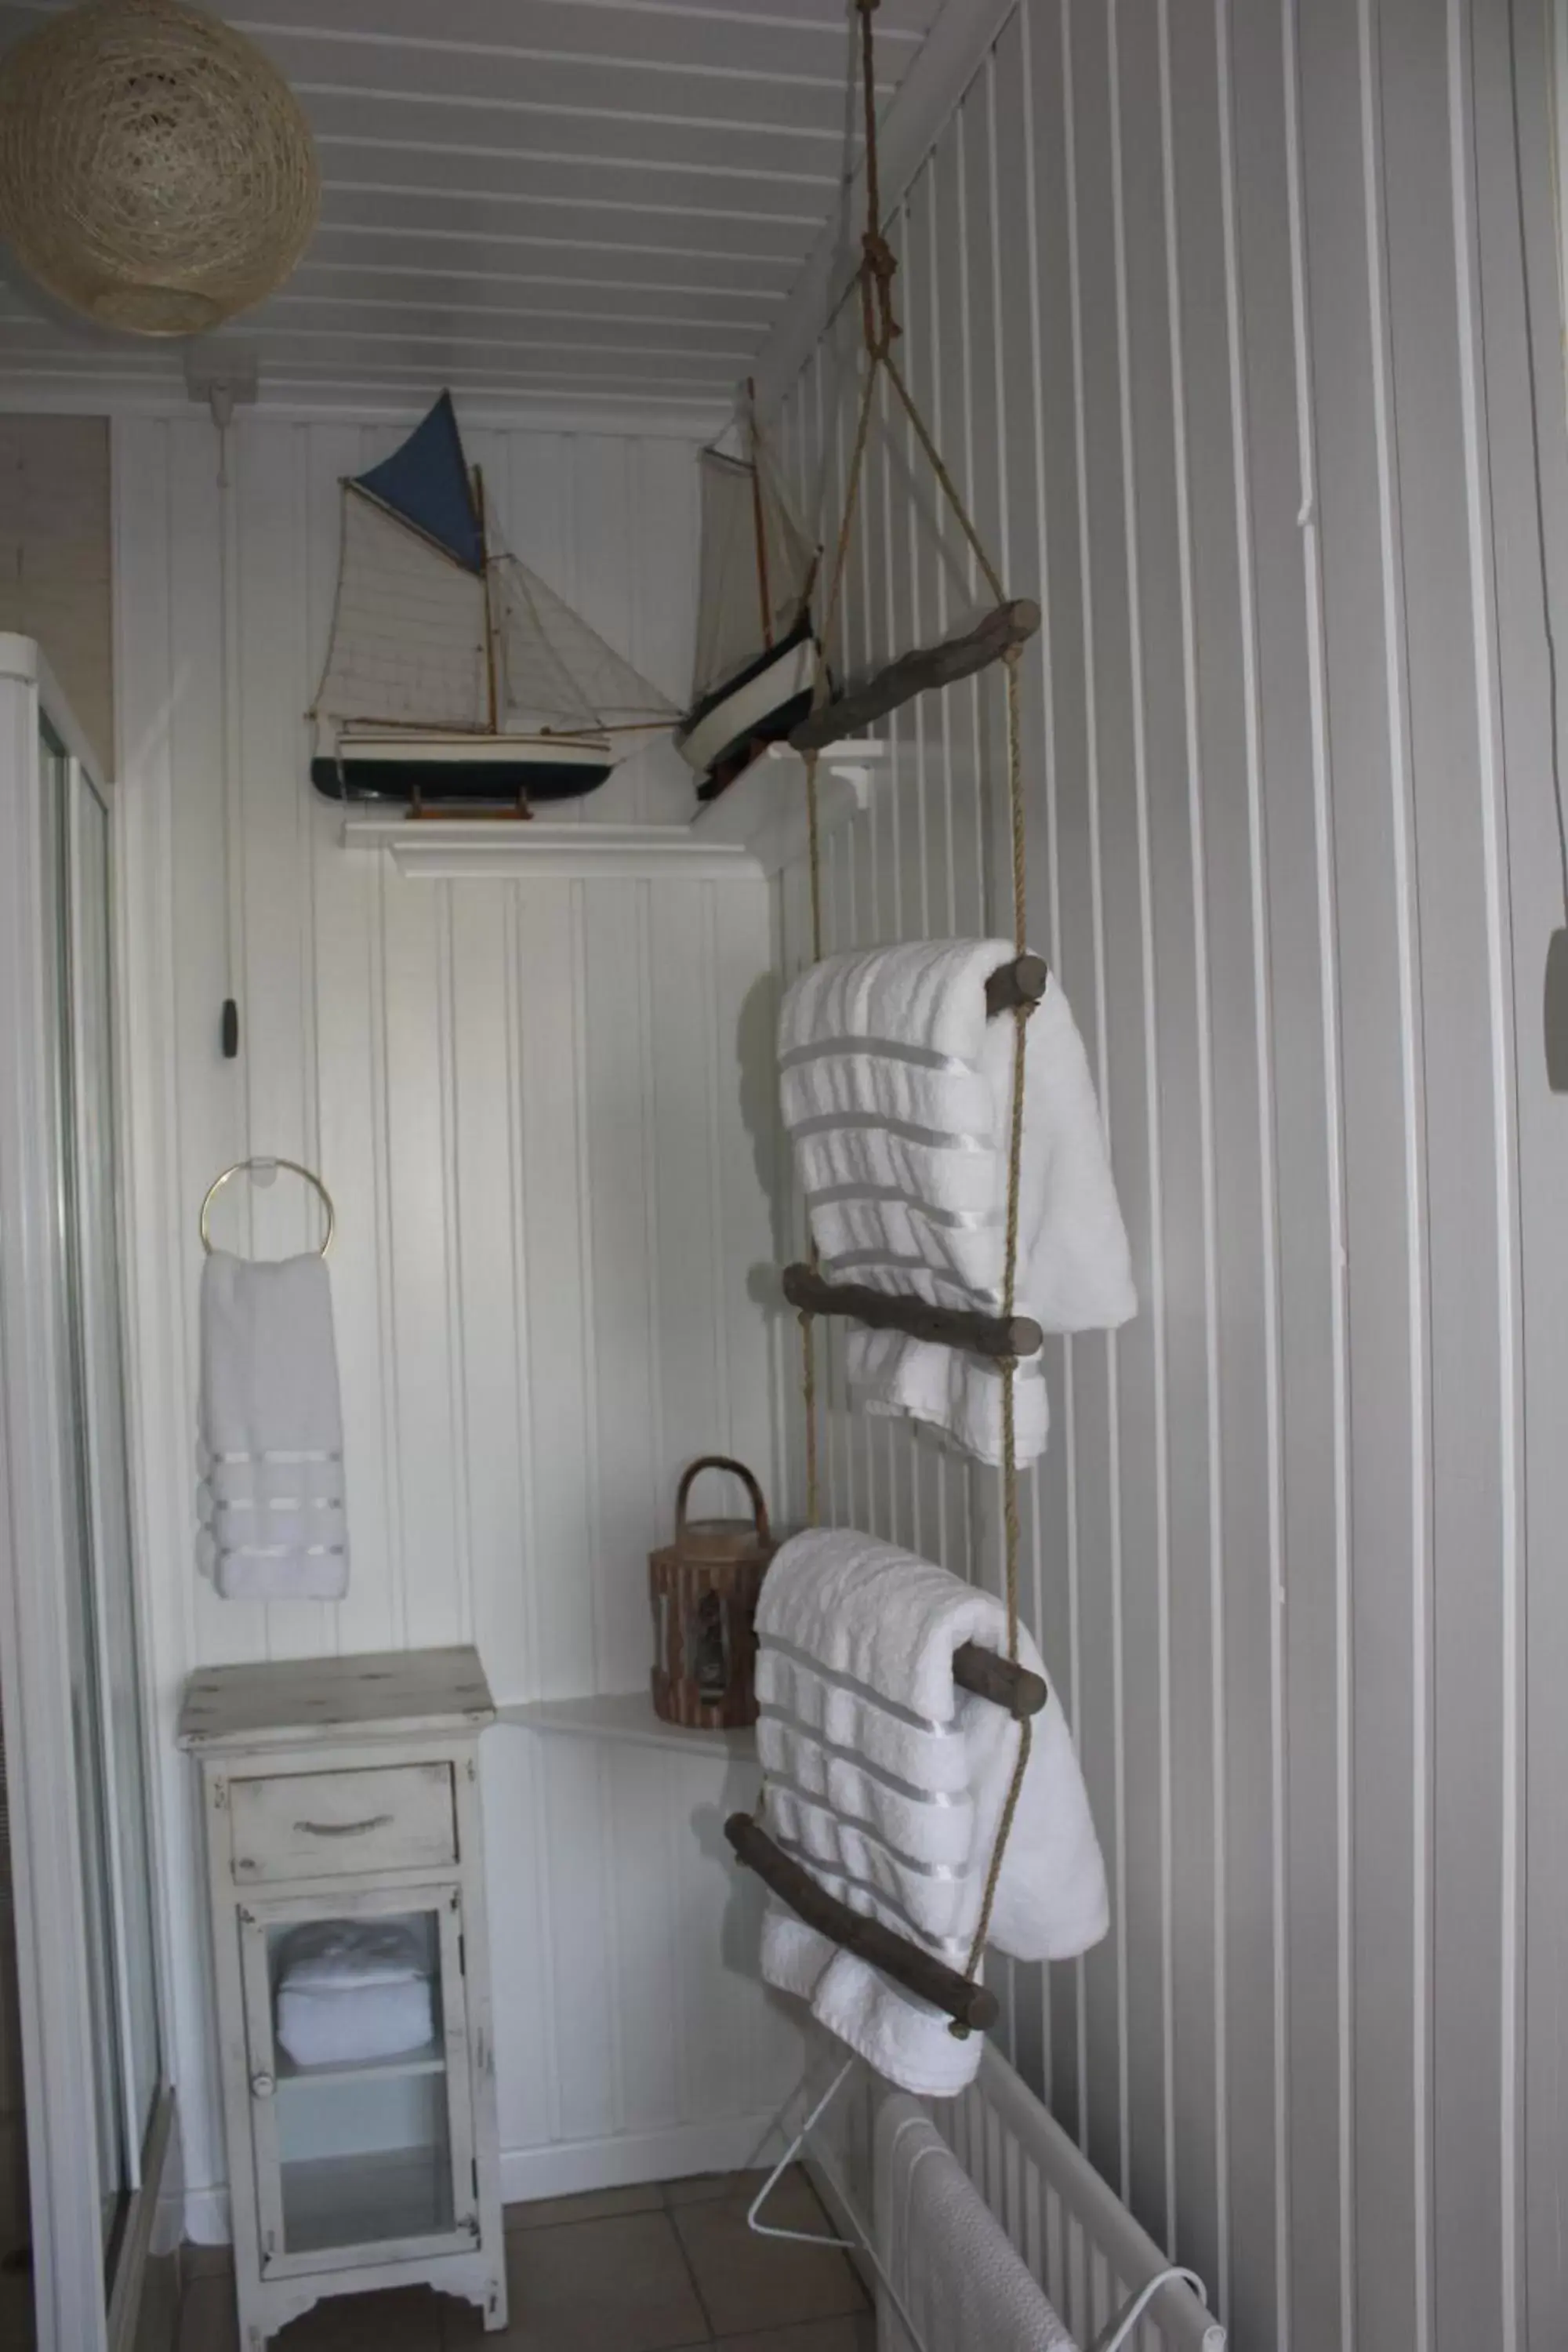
point(593, 203)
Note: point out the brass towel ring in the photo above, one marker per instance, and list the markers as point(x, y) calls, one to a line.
point(242, 1166)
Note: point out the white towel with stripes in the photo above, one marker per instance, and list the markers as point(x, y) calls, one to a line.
point(897, 1091)
point(888, 1782)
point(272, 1432)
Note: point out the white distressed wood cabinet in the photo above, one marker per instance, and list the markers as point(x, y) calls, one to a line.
point(346, 1790)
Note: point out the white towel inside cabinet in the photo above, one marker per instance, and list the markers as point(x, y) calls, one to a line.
point(350, 1991)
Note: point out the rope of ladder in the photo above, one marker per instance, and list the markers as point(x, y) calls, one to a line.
point(879, 329)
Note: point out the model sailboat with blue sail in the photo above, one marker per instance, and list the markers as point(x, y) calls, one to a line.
point(454, 675)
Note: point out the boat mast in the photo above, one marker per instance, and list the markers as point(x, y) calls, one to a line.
point(494, 728)
point(758, 523)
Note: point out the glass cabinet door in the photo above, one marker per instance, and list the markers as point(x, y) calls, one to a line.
point(361, 2104)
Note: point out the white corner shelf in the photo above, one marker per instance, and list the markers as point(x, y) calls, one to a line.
point(626, 1718)
point(765, 808)
point(752, 829)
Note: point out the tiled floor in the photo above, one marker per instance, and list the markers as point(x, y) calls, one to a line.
point(625, 2270)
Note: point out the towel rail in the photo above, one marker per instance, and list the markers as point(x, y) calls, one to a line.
point(918, 1970)
point(1022, 981)
point(1001, 1680)
point(889, 1310)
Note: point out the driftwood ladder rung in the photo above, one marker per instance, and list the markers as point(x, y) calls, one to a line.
point(1021, 981)
point(864, 700)
point(889, 1310)
point(909, 1964)
point(1006, 1683)
point(1001, 1680)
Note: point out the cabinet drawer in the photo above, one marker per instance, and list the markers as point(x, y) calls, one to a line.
point(339, 1824)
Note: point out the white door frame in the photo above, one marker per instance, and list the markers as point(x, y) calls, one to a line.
point(34, 1659)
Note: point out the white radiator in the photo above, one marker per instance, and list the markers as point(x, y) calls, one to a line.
point(1083, 2246)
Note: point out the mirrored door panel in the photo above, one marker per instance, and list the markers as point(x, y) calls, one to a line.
point(76, 1568)
point(98, 1570)
point(105, 1471)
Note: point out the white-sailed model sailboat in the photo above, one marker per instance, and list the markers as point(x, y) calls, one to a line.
point(455, 677)
point(756, 658)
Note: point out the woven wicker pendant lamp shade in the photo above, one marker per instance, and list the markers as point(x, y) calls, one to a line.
point(156, 171)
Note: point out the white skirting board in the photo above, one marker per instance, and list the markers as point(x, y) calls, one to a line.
point(565, 2169)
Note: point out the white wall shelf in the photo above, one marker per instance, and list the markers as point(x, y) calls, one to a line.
point(752, 830)
point(460, 849)
point(626, 1718)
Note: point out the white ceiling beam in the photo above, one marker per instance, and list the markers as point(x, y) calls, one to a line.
point(649, 415)
point(475, 218)
point(434, 310)
point(331, 279)
point(544, 260)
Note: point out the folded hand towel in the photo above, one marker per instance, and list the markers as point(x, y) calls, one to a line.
point(344, 2027)
point(888, 1782)
point(350, 1991)
point(271, 1451)
point(953, 2266)
point(897, 1091)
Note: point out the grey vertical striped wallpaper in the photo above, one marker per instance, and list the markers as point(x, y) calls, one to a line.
point(1217, 306)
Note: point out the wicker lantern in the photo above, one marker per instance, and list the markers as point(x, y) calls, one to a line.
point(156, 171)
point(704, 1587)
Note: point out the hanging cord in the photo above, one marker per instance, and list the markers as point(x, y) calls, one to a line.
point(821, 688)
point(1009, 1365)
point(807, 1335)
point(878, 267)
point(879, 328)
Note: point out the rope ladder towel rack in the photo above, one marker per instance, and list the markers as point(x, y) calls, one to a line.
point(1015, 988)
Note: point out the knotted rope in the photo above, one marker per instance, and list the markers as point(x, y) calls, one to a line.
point(879, 329)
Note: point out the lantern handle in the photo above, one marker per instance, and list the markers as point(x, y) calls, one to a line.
point(738, 1470)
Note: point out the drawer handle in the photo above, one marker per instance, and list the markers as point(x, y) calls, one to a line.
point(342, 1829)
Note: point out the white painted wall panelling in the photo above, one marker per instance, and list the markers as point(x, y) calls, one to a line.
point(1218, 313)
point(532, 1103)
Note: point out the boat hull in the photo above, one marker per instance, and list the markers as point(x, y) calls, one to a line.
point(719, 737)
point(461, 770)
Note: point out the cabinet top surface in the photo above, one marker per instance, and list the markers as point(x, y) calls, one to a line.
point(295, 1699)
